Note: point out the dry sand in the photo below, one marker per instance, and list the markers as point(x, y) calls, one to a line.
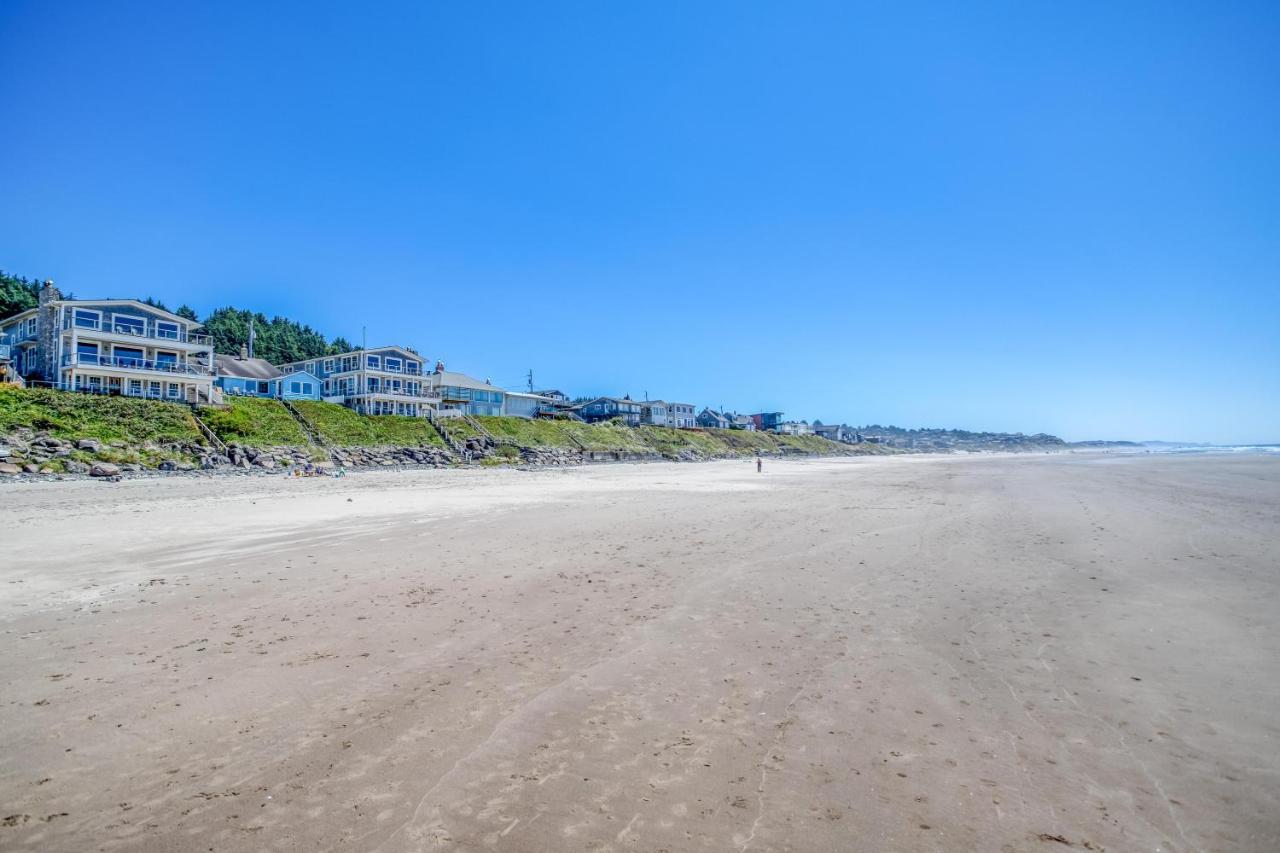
point(860, 655)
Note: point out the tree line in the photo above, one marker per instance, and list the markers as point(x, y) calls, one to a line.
point(279, 340)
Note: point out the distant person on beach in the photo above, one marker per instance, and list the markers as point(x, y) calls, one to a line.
point(759, 464)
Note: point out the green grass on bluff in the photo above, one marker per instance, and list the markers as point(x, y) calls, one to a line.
point(343, 427)
point(255, 421)
point(70, 415)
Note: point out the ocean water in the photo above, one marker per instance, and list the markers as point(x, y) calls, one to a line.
point(1217, 448)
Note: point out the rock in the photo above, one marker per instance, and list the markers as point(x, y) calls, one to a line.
point(89, 444)
point(104, 469)
point(5, 451)
point(9, 468)
point(31, 468)
point(264, 461)
point(167, 465)
point(74, 467)
point(51, 443)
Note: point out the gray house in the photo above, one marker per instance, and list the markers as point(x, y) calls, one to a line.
point(711, 419)
point(608, 408)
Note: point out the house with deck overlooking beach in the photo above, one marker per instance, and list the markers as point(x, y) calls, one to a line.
point(110, 346)
point(242, 376)
point(460, 394)
point(387, 380)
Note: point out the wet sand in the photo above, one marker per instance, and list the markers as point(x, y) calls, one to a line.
point(929, 653)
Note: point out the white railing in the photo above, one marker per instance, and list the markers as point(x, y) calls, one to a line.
point(128, 363)
point(115, 327)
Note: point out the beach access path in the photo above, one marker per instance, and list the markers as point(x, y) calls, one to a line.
point(1019, 653)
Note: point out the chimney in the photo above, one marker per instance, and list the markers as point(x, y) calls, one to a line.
point(244, 351)
point(439, 367)
point(48, 293)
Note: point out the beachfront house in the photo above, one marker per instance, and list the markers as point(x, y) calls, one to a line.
point(520, 404)
point(608, 408)
point(712, 419)
point(767, 421)
point(242, 376)
point(380, 381)
point(461, 394)
point(794, 428)
point(655, 413)
point(662, 413)
point(682, 415)
point(743, 422)
point(556, 396)
point(109, 346)
point(835, 432)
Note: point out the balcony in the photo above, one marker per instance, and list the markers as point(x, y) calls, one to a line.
point(403, 371)
point(147, 331)
point(169, 368)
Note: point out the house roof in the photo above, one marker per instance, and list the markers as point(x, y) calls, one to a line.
point(618, 400)
point(18, 315)
point(460, 380)
point(134, 303)
point(245, 368)
point(408, 352)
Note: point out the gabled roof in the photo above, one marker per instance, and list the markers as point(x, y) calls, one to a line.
point(407, 352)
point(460, 380)
point(16, 316)
point(245, 368)
point(141, 306)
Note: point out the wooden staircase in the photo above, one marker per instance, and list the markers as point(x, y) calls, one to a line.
point(313, 434)
point(455, 447)
point(208, 433)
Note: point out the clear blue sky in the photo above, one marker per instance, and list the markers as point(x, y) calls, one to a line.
point(1022, 216)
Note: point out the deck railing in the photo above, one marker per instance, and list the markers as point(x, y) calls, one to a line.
point(126, 363)
point(111, 326)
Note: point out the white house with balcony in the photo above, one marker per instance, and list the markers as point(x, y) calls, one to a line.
point(379, 381)
point(110, 346)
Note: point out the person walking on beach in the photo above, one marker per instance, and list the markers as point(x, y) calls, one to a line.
point(759, 464)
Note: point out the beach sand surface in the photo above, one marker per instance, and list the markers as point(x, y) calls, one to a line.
point(1036, 653)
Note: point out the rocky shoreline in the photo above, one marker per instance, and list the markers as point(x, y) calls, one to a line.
point(30, 456)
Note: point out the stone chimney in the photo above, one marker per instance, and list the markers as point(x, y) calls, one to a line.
point(47, 331)
point(439, 367)
point(244, 351)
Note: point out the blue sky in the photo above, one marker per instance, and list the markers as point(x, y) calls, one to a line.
point(1021, 216)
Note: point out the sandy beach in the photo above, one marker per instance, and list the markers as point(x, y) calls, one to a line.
point(881, 654)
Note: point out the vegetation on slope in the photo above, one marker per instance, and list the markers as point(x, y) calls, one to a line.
point(68, 415)
point(256, 422)
point(345, 428)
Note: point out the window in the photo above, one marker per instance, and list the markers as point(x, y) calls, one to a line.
point(135, 386)
point(128, 356)
point(173, 390)
point(126, 325)
point(306, 388)
point(167, 330)
point(373, 361)
point(328, 365)
point(295, 387)
point(86, 353)
point(166, 360)
point(86, 319)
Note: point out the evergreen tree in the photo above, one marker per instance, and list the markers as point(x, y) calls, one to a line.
point(186, 311)
point(17, 294)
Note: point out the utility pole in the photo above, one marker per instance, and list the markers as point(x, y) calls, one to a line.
point(531, 380)
point(250, 336)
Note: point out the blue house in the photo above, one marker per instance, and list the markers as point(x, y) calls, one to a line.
point(607, 408)
point(241, 376)
point(378, 381)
